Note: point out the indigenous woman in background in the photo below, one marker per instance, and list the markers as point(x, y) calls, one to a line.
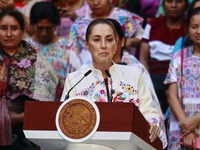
point(184, 94)
point(180, 43)
point(69, 11)
point(130, 22)
point(157, 44)
point(24, 75)
point(101, 41)
point(123, 57)
point(44, 18)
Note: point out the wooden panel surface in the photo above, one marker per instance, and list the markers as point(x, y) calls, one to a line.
point(113, 117)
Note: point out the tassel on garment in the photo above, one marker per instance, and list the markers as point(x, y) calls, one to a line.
point(5, 123)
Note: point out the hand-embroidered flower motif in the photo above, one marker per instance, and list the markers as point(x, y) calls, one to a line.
point(45, 77)
point(21, 85)
point(129, 88)
point(85, 93)
point(40, 65)
point(12, 80)
point(102, 91)
point(24, 63)
point(101, 100)
point(130, 27)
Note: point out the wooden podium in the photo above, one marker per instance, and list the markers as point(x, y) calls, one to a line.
point(122, 127)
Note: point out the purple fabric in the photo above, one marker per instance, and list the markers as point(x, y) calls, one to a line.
point(149, 8)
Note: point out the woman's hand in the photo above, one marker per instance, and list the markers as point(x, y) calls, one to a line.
point(67, 11)
point(189, 140)
point(6, 4)
point(154, 132)
point(188, 125)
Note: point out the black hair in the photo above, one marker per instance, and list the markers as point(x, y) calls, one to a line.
point(191, 6)
point(118, 27)
point(98, 21)
point(133, 6)
point(120, 32)
point(15, 14)
point(44, 10)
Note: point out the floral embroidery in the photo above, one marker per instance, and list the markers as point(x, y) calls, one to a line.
point(59, 55)
point(24, 63)
point(98, 95)
point(188, 76)
point(21, 85)
point(24, 77)
point(102, 92)
point(128, 88)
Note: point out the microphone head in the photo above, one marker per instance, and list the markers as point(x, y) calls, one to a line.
point(107, 73)
point(87, 73)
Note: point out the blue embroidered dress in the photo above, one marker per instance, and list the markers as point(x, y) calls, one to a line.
point(61, 58)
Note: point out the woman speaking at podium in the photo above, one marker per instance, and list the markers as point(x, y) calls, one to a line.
point(105, 81)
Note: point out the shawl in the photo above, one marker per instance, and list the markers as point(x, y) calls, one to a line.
point(27, 73)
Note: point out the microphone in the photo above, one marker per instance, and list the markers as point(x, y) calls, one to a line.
point(111, 90)
point(85, 75)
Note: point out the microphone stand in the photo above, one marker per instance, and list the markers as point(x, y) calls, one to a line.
point(111, 90)
point(85, 75)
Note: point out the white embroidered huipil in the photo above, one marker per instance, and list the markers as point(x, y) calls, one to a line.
point(128, 85)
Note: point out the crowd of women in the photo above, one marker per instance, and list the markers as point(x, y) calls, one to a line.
point(153, 56)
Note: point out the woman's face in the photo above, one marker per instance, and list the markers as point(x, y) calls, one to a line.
point(194, 29)
point(44, 31)
point(102, 44)
point(99, 7)
point(10, 33)
point(174, 8)
point(197, 4)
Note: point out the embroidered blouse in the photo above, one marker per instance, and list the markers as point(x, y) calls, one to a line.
point(188, 81)
point(61, 57)
point(27, 73)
